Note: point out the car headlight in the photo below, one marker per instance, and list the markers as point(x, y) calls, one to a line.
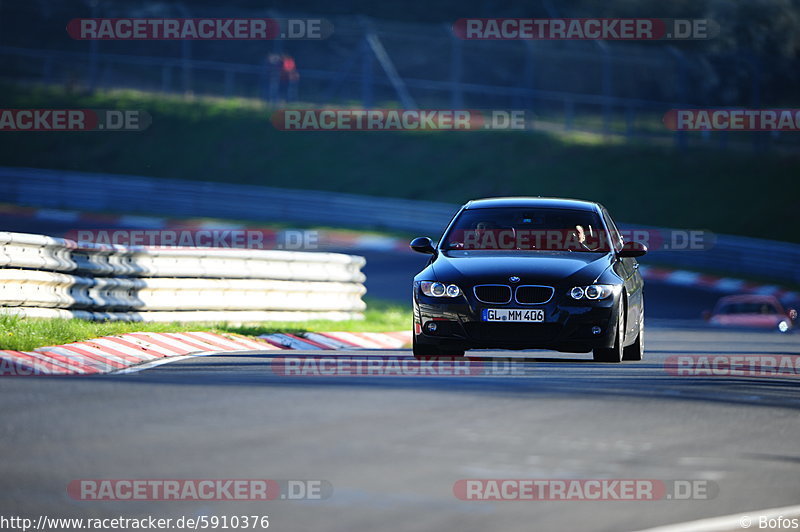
point(437, 289)
point(593, 291)
point(453, 291)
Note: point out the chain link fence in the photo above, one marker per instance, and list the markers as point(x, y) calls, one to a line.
point(620, 89)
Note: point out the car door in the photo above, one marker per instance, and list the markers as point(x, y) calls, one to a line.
point(629, 271)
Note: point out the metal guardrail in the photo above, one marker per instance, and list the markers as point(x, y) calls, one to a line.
point(738, 255)
point(733, 255)
point(53, 277)
point(148, 195)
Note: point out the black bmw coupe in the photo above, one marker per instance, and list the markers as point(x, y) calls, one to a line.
point(530, 273)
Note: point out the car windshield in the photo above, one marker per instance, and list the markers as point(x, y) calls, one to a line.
point(753, 307)
point(527, 229)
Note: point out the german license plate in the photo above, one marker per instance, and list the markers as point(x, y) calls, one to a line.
point(512, 314)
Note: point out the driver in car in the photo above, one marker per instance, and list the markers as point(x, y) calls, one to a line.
point(580, 238)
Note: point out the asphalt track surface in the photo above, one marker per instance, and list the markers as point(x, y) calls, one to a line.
point(393, 447)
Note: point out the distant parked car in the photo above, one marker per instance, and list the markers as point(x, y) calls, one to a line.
point(752, 311)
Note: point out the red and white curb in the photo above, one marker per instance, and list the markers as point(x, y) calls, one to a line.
point(142, 350)
point(341, 340)
point(727, 285)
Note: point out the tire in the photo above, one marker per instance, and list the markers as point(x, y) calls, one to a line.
point(635, 351)
point(428, 351)
point(613, 354)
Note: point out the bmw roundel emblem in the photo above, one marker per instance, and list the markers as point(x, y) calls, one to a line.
point(514, 279)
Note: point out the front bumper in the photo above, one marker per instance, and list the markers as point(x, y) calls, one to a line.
point(567, 324)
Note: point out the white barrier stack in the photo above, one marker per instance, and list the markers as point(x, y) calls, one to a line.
point(51, 277)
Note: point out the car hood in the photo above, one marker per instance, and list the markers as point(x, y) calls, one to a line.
point(531, 268)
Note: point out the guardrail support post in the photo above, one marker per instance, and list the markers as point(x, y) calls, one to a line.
point(367, 74)
point(629, 122)
point(607, 86)
point(456, 71)
point(569, 113)
point(759, 138)
point(528, 76)
point(166, 78)
point(186, 52)
point(228, 83)
point(376, 47)
point(93, 51)
point(681, 140)
point(271, 77)
point(47, 70)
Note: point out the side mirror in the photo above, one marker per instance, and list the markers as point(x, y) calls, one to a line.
point(706, 315)
point(792, 314)
point(423, 244)
point(633, 249)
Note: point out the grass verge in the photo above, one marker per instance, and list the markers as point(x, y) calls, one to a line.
point(23, 334)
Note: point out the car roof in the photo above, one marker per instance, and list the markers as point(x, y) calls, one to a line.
point(523, 201)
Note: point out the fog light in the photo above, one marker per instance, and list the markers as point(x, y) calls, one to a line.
point(783, 326)
point(431, 327)
point(596, 330)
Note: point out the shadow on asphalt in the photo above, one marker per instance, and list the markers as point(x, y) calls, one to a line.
point(529, 377)
point(707, 352)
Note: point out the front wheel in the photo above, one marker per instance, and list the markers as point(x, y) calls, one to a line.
point(613, 354)
point(635, 351)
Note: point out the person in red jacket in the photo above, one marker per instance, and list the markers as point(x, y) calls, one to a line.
point(289, 77)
